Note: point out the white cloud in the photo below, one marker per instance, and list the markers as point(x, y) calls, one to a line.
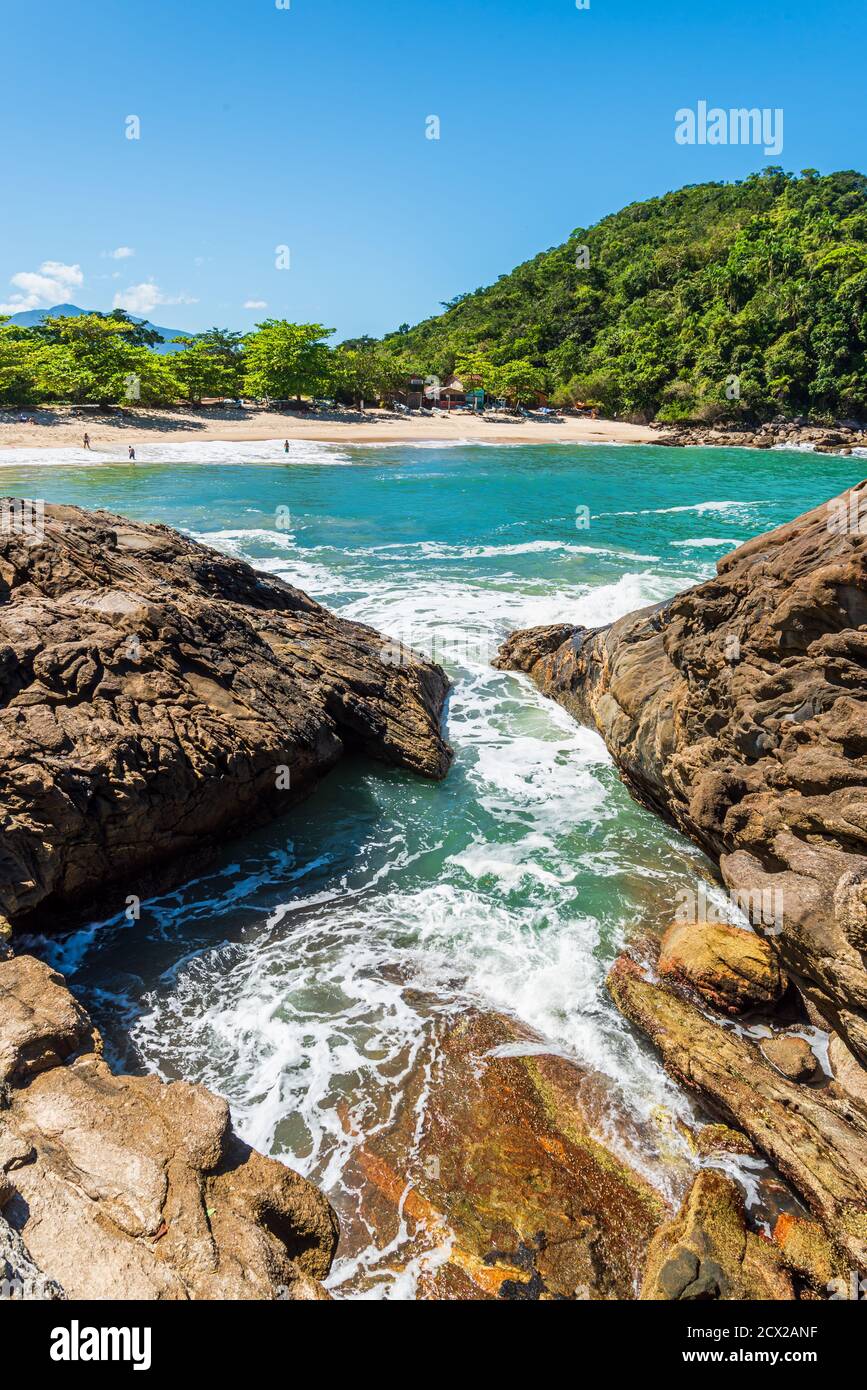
point(255, 304)
point(43, 288)
point(142, 299)
point(121, 253)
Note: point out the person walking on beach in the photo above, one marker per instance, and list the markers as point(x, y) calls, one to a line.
point(132, 454)
point(86, 440)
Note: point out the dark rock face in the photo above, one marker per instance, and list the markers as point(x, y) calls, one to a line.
point(155, 696)
point(739, 712)
point(128, 1187)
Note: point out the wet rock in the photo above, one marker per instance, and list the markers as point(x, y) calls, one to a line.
point(707, 1252)
point(738, 711)
point(156, 696)
point(734, 970)
point(717, 1139)
point(792, 1056)
point(507, 1182)
point(808, 1251)
point(814, 1139)
point(145, 1179)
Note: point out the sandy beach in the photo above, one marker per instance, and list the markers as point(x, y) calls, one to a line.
point(57, 428)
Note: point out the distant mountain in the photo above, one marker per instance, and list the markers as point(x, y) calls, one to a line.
point(29, 318)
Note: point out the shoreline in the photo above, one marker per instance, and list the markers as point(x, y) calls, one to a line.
point(111, 435)
point(46, 429)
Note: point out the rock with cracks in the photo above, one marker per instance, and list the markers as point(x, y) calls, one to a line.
point(128, 1187)
point(156, 696)
point(817, 1139)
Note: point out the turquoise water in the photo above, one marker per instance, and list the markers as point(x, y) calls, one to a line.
point(310, 971)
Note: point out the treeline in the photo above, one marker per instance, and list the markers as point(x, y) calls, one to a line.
point(718, 300)
point(108, 358)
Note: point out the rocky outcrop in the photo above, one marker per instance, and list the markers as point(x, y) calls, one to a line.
point(708, 1253)
point(732, 969)
point(815, 1138)
point(156, 695)
point(840, 438)
point(506, 1193)
point(20, 1278)
point(129, 1187)
point(739, 712)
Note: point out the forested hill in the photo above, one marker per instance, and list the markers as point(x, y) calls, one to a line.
point(718, 299)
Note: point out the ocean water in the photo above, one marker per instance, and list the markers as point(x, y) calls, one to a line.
point(311, 971)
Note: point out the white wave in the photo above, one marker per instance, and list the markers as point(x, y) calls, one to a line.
point(700, 507)
point(214, 451)
point(706, 541)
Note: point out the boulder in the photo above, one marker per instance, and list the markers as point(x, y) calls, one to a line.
point(147, 1178)
point(812, 1137)
point(156, 696)
point(792, 1056)
point(40, 1021)
point(738, 711)
point(733, 969)
point(708, 1253)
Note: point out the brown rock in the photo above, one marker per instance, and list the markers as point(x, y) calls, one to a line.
point(716, 1139)
point(707, 1253)
point(792, 1056)
point(847, 1071)
point(128, 1187)
point(738, 711)
point(40, 1022)
point(155, 695)
point(808, 1251)
point(813, 1138)
point(733, 969)
point(508, 1176)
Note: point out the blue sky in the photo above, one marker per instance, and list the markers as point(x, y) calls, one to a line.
point(305, 127)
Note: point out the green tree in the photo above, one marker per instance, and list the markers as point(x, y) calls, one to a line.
point(101, 361)
point(519, 382)
point(361, 371)
point(285, 359)
point(211, 364)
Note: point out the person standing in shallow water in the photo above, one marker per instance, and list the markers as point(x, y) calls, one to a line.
point(132, 454)
point(285, 446)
